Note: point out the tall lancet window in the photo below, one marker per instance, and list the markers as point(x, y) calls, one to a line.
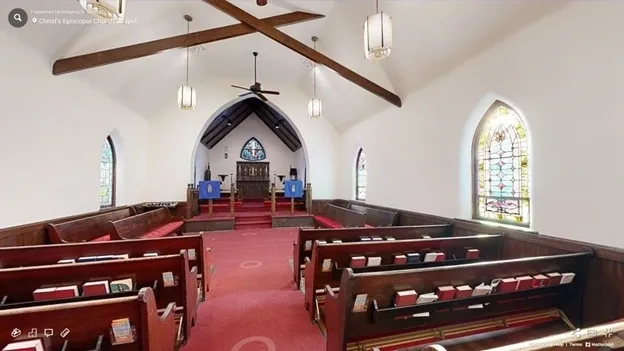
point(107, 173)
point(360, 176)
point(501, 167)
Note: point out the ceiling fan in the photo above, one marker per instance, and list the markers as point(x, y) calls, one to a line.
point(256, 88)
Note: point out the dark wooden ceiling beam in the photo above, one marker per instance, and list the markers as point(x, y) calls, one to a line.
point(130, 52)
point(293, 142)
point(304, 50)
point(221, 121)
point(235, 122)
point(271, 125)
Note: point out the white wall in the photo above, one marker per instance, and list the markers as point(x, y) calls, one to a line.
point(202, 159)
point(300, 164)
point(278, 155)
point(51, 134)
point(174, 134)
point(565, 74)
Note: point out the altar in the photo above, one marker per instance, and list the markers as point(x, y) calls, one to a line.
point(252, 180)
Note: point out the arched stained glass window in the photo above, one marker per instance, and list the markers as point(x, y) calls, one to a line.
point(360, 176)
point(107, 174)
point(501, 167)
point(253, 151)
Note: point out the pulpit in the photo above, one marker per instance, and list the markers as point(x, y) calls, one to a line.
point(252, 179)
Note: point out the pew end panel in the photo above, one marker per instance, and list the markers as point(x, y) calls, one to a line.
point(87, 228)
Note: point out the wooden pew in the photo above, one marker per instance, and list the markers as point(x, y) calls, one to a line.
point(153, 224)
point(93, 228)
point(338, 255)
point(381, 323)
point(40, 255)
point(375, 217)
point(17, 284)
point(338, 217)
point(88, 321)
point(354, 234)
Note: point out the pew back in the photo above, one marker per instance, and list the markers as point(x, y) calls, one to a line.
point(376, 217)
point(137, 226)
point(85, 229)
point(348, 218)
point(88, 320)
point(343, 325)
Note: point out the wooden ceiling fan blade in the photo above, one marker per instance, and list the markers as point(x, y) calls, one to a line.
point(270, 92)
point(239, 87)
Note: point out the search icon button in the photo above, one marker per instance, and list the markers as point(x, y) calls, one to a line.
point(18, 18)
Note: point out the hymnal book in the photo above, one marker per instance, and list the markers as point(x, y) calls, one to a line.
point(555, 278)
point(373, 261)
point(357, 261)
point(376, 238)
point(28, 345)
point(327, 265)
point(87, 259)
point(66, 292)
point(507, 285)
point(192, 255)
point(475, 306)
point(405, 298)
point(121, 285)
point(360, 303)
point(123, 256)
point(440, 256)
point(400, 259)
point(107, 258)
point(446, 292)
point(95, 288)
point(463, 291)
point(336, 241)
point(321, 241)
point(540, 281)
point(150, 254)
point(308, 245)
point(567, 278)
point(434, 257)
point(365, 238)
point(413, 258)
point(482, 289)
point(390, 238)
point(44, 294)
point(472, 254)
point(122, 331)
point(68, 260)
point(426, 298)
point(168, 279)
point(524, 282)
point(426, 237)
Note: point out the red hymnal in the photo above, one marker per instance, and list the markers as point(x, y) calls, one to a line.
point(524, 282)
point(400, 259)
point(446, 293)
point(440, 256)
point(405, 298)
point(507, 285)
point(555, 278)
point(540, 281)
point(28, 345)
point(95, 288)
point(472, 254)
point(66, 292)
point(463, 291)
point(44, 294)
point(357, 261)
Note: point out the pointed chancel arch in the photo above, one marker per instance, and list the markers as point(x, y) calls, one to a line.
point(501, 167)
point(253, 151)
point(360, 176)
point(108, 181)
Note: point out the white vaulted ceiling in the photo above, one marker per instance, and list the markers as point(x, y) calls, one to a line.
point(430, 38)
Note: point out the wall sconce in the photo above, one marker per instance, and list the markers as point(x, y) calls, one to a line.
point(226, 152)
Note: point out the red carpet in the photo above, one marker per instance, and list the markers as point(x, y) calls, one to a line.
point(252, 304)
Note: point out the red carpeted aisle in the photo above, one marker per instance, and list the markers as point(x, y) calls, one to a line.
point(253, 304)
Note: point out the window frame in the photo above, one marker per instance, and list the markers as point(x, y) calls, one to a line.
point(109, 140)
point(357, 176)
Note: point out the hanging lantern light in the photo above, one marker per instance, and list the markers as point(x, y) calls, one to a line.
point(378, 35)
point(315, 105)
point(186, 94)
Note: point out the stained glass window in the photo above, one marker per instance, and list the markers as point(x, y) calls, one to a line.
point(107, 174)
point(501, 164)
point(253, 151)
point(360, 176)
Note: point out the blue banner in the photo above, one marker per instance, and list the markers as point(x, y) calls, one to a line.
point(293, 188)
point(209, 189)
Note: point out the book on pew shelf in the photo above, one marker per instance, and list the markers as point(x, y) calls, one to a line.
point(66, 292)
point(463, 291)
point(507, 285)
point(426, 237)
point(413, 257)
point(308, 245)
point(123, 256)
point(168, 279)
point(360, 303)
point(121, 285)
point(150, 254)
point(327, 265)
point(390, 238)
point(400, 259)
point(524, 282)
point(365, 238)
point(567, 278)
point(475, 306)
point(405, 298)
point(426, 298)
point(87, 259)
point(122, 331)
point(67, 260)
point(446, 292)
point(192, 255)
point(555, 278)
point(336, 241)
point(472, 254)
point(106, 258)
point(373, 261)
point(357, 261)
point(28, 345)
point(95, 288)
point(376, 238)
point(482, 289)
point(540, 281)
point(440, 256)
point(44, 294)
point(322, 241)
point(434, 257)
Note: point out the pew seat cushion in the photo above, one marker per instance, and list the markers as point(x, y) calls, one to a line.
point(102, 238)
point(164, 230)
point(327, 222)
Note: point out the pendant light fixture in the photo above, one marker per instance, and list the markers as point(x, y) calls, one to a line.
point(315, 105)
point(378, 35)
point(186, 94)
